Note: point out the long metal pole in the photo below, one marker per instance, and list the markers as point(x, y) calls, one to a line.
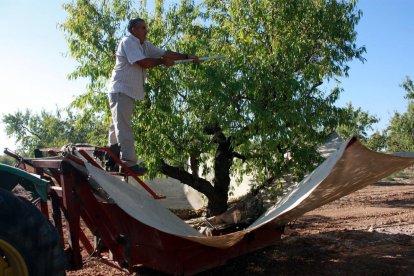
point(200, 59)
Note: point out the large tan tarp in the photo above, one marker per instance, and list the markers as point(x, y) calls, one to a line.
point(350, 168)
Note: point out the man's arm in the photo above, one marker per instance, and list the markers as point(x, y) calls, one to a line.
point(167, 59)
point(177, 56)
point(152, 62)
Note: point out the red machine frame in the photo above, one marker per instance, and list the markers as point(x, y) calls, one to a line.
point(130, 242)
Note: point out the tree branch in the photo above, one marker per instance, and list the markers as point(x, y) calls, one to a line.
point(185, 177)
point(238, 155)
point(32, 132)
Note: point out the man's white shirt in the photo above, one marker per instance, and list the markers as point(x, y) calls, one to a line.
point(127, 76)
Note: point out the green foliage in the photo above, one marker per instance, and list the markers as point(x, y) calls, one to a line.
point(33, 131)
point(356, 122)
point(400, 132)
point(408, 86)
point(95, 42)
point(265, 96)
point(377, 141)
point(400, 135)
point(4, 159)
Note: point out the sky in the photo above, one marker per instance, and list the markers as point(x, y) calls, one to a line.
point(33, 71)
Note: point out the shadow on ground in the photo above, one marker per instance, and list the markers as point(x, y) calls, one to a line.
point(391, 184)
point(331, 253)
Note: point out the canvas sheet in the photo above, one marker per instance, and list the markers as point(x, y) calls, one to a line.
point(350, 168)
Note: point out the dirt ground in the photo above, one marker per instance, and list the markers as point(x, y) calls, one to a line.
point(370, 232)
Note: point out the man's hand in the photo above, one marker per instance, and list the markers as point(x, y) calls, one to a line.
point(168, 61)
point(194, 58)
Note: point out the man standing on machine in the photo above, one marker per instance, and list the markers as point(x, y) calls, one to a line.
point(134, 55)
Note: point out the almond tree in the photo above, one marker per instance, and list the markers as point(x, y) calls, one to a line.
point(400, 132)
point(261, 110)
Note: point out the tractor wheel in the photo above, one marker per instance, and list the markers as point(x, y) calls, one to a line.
point(29, 244)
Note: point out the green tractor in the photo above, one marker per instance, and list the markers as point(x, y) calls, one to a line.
point(29, 243)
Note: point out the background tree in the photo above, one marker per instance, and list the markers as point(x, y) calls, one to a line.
point(356, 122)
point(400, 132)
point(5, 159)
point(377, 141)
point(259, 111)
point(33, 131)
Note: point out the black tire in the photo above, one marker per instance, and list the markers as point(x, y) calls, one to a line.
point(25, 228)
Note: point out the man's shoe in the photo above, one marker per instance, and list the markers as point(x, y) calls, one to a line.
point(138, 169)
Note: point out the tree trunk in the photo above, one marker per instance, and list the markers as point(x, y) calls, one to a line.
point(222, 164)
point(216, 194)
